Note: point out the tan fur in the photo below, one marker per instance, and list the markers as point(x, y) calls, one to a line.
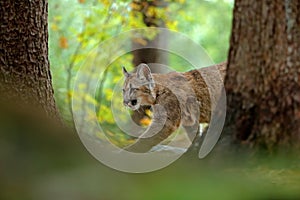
point(176, 98)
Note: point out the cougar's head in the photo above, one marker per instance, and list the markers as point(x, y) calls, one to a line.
point(138, 88)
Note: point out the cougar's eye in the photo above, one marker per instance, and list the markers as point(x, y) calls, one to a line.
point(133, 90)
point(133, 102)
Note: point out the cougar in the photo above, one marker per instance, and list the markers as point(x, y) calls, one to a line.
point(175, 98)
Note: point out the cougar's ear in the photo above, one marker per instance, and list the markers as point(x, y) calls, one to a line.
point(126, 74)
point(144, 73)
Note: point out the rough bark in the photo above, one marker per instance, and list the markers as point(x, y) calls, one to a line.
point(263, 78)
point(25, 78)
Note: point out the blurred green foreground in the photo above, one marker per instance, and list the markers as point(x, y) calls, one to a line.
point(39, 161)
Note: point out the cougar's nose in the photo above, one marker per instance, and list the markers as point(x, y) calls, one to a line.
point(126, 102)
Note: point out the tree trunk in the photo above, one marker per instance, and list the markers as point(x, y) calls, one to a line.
point(150, 19)
point(142, 53)
point(263, 78)
point(25, 78)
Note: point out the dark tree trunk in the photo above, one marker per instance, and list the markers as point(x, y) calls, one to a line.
point(263, 80)
point(150, 19)
point(25, 78)
point(144, 54)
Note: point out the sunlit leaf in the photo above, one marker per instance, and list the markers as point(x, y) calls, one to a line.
point(105, 2)
point(145, 121)
point(151, 11)
point(58, 18)
point(63, 42)
point(135, 6)
point(172, 25)
point(70, 94)
point(149, 113)
point(54, 27)
point(90, 99)
point(140, 41)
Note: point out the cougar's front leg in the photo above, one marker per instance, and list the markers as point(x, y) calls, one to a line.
point(192, 131)
point(165, 122)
